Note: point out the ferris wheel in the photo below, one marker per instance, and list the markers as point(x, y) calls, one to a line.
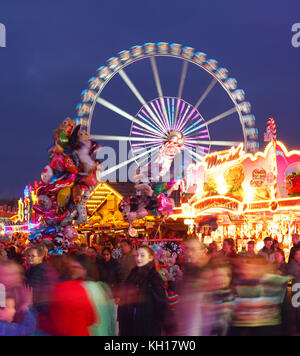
point(165, 124)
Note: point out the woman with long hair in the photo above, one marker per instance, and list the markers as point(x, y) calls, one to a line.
point(144, 300)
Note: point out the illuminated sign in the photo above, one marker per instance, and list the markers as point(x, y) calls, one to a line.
point(215, 203)
point(217, 158)
point(240, 183)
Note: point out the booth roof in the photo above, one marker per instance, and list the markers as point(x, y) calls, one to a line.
point(124, 188)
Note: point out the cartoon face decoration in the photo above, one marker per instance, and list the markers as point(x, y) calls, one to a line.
point(45, 202)
point(47, 174)
point(67, 126)
point(82, 135)
point(177, 138)
point(70, 165)
point(234, 176)
point(258, 177)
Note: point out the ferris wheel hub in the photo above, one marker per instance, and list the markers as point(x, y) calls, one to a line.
point(176, 137)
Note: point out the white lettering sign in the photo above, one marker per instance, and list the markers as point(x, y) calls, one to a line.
point(2, 35)
point(2, 296)
point(296, 36)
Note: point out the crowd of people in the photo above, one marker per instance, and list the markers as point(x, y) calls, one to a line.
point(90, 292)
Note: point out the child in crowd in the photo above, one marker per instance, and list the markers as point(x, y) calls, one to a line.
point(8, 311)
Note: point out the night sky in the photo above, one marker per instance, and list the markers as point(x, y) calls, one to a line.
point(54, 47)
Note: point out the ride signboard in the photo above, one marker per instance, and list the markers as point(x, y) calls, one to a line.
point(240, 182)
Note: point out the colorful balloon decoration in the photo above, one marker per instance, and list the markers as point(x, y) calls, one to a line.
point(148, 200)
point(67, 181)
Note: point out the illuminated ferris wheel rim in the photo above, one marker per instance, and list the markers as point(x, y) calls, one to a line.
point(116, 65)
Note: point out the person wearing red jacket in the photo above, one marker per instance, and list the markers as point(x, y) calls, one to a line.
point(70, 311)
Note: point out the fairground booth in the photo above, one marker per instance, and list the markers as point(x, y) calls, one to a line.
point(233, 194)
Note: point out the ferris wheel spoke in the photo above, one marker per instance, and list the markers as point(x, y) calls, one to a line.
point(123, 113)
point(179, 111)
point(188, 153)
point(150, 115)
point(185, 121)
point(142, 149)
point(146, 160)
point(221, 116)
point(160, 115)
point(201, 158)
point(169, 113)
point(182, 117)
point(197, 135)
point(138, 95)
point(215, 143)
point(158, 85)
point(192, 128)
point(125, 163)
point(143, 132)
point(197, 158)
point(189, 144)
point(144, 144)
point(156, 77)
point(146, 119)
point(203, 149)
point(207, 91)
point(122, 138)
point(132, 87)
point(181, 84)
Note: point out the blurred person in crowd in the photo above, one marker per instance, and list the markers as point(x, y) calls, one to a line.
point(109, 269)
point(213, 249)
point(228, 249)
point(99, 295)
point(127, 261)
point(294, 266)
point(267, 250)
point(93, 254)
point(71, 312)
point(280, 266)
point(250, 252)
point(218, 293)
point(11, 275)
point(83, 248)
point(14, 253)
point(58, 271)
point(143, 300)
point(3, 255)
point(193, 311)
point(276, 248)
point(36, 272)
point(259, 294)
point(296, 245)
point(294, 269)
point(8, 324)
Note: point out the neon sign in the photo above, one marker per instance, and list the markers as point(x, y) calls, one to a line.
point(217, 158)
point(215, 203)
point(242, 183)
